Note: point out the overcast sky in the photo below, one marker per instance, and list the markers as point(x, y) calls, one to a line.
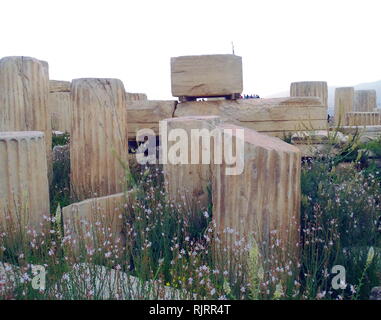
point(280, 41)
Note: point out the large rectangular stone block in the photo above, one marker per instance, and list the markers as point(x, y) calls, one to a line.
point(188, 182)
point(206, 75)
point(99, 137)
point(275, 117)
point(147, 114)
point(94, 215)
point(59, 86)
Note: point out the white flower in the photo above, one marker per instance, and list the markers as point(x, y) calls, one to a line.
point(321, 295)
point(370, 256)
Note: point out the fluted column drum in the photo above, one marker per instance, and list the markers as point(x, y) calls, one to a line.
point(343, 103)
point(310, 89)
point(99, 137)
point(24, 188)
point(60, 105)
point(24, 90)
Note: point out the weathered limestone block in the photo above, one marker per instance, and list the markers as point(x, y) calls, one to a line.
point(310, 89)
point(363, 119)
point(275, 117)
point(99, 137)
point(365, 100)
point(147, 114)
point(370, 131)
point(94, 215)
point(264, 200)
point(187, 179)
point(318, 137)
point(343, 103)
point(24, 91)
point(59, 86)
point(60, 105)
point(136, 96)
point(24, 188)
point(318, 143)
point(45, 64)
point(206, 75)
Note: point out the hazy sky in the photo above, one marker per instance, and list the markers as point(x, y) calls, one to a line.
point(280, 41)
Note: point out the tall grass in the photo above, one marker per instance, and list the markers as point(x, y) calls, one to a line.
point(172, 251)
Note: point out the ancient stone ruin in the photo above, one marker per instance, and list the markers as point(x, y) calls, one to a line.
point(363, 118)
point(270, 178)
point(99, 137)
point(82, 217)
point(24, 91)
point(60, 105)
point(364, 100)
point(188, 176)
point(310, 89)
point(256, 198)
point(356, 107)
point(343, 103)
point(136, 96)
point(264, 198)
point(24, 188)
point(206, 76)
point(147, 114)
point(275, 117)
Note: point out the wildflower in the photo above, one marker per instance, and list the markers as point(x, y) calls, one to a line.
point(370, 256)
point(352, 289)
point(206, 214)
point(278, 291)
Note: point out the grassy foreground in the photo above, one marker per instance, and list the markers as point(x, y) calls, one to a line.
point(172, 251)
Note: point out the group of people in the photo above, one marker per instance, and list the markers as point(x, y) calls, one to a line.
point(250, 96)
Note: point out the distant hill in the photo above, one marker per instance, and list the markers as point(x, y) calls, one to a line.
point(331, 93)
